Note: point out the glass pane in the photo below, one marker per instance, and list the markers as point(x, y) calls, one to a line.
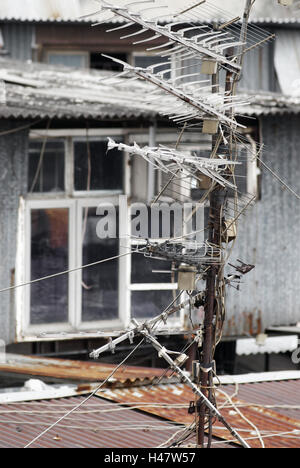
point(99, 62)
point(100, 282)
point(68, 60)
point(46, 169)
point(95, 169)
point(147, 304)
point(49, 255)
point(142, 270)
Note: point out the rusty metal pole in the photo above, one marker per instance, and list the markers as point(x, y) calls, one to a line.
point(215, 237)
point(207, 348)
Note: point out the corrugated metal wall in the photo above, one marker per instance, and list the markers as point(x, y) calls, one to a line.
point(268, 237)
point(13, 184)
point(18, 40)
point(259, 71)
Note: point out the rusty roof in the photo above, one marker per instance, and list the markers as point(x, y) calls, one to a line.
point(255, 401)
point(283, 397)
point(150, 412)
point(79, 371)
point(97, 424)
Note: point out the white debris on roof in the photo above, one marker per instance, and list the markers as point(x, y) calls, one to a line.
point(40, 91)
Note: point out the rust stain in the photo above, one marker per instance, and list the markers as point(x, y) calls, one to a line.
point(80, 371)
point(84, 388)
point(259, 323)
point(250, 324)
point(171, 402)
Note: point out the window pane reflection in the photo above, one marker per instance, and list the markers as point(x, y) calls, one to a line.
point(147, 304)
point(95, 169)
point(46, 168)
point(100, 282)
point(150, 270)
point(49, 255)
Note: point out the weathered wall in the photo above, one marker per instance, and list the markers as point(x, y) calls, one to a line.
point(13, 179)
point(18, 40)
point(269, 238)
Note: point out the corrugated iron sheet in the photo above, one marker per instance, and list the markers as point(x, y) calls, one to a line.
point(145, 416)
point(268, 237)
point(42, 91)
point(18, 40)
point(283, 397)
point(79, 371)
point(172, 401)
point(97, 424)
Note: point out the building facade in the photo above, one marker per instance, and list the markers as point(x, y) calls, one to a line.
point(55, 173)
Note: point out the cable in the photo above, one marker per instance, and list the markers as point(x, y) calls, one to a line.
point(296, 433)
point(55, 275)
point(41, 158)
point(19, 129)
point(243, 417)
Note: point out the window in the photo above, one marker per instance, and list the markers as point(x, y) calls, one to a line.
point(153, 283)
point(46, 166)
point(49, 243)
point(150, 270)
point(148, 304)
point(99, 62)
point(99, 284)
point(84, 59)
point(68, 59)
point(74, 165)
point(94, 168)
point(68, 179)
point(49, 254)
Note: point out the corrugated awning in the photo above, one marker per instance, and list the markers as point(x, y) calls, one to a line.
point(34, 90)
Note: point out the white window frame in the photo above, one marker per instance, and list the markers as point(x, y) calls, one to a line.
point(27, 327)
point(99, 324)
point(76, 202)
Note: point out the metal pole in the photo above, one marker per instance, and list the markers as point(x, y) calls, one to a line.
point(206, 355)
point(213, 277)
point(162, 352)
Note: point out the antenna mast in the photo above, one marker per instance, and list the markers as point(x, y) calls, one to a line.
point(215, 276)
point(195, 106)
